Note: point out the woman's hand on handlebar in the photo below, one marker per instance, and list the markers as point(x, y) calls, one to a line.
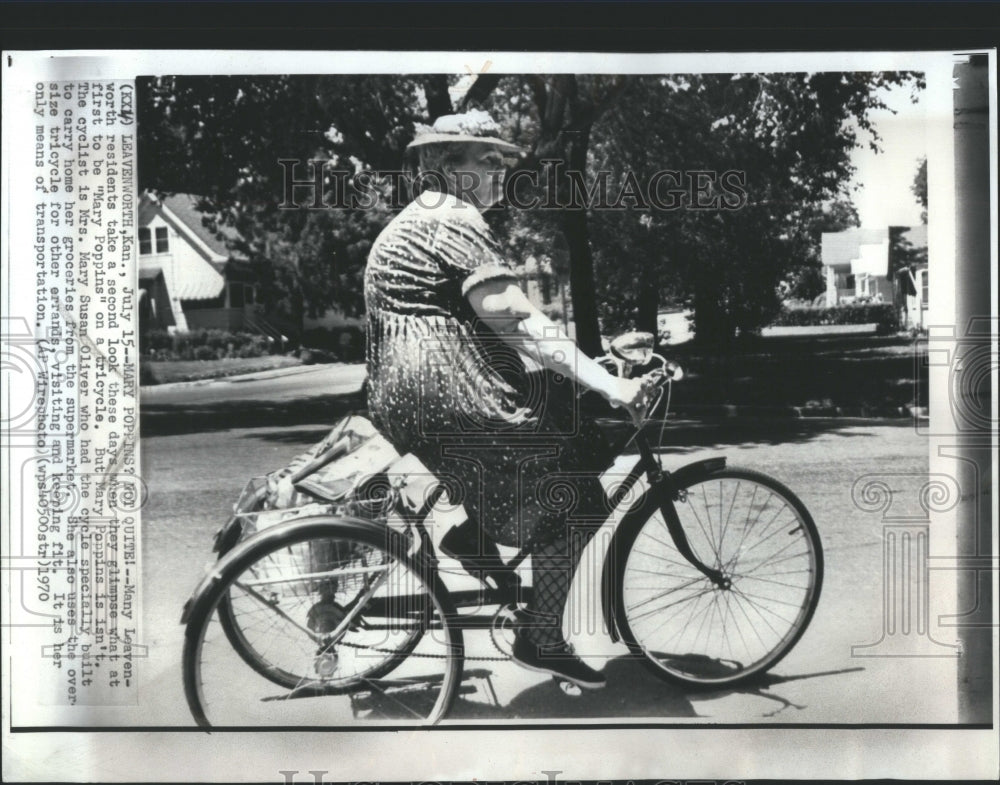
point(630, 394)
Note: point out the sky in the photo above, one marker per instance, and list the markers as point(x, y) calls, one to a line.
point(884, 198)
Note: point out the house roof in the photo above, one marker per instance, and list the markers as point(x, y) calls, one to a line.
point(185, 207)
point(201, 283)
point(192, 281)
point(839, 248)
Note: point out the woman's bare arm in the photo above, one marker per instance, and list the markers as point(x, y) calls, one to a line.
point(504, 307)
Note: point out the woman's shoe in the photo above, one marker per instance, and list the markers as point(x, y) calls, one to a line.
point(559, 659)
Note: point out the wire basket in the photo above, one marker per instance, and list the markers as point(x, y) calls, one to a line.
point(330, 570)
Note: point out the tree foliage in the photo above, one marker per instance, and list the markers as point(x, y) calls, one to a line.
point(919, 188)
point(789, 134)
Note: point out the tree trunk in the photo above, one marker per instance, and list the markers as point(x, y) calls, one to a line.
point(436, 92)
point(581, 260)
point(648, 306)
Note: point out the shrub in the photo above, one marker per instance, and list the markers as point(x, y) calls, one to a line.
point(202, 345)
point(218, 339)
point(252, 346)
point(146, 375)
point(882, 314)
point(346, 344)
point(151, 341)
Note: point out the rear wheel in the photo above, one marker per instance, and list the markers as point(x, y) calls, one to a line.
point(325, 609)
point(760, 536)
point(246, 622)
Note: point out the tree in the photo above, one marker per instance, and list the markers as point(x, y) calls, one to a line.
point(788, 137)
point(919, 188)
point(553, 116)
point(223, 138)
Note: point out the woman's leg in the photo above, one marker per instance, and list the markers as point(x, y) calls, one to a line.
point(553, 567)
point(539, 643)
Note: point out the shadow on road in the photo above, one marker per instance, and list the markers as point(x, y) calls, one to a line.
point(632, 692)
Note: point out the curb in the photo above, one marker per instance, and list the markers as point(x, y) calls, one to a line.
point(731, 411)
point(272, 373)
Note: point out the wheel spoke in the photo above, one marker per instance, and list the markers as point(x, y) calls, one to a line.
point(708, 634)
point(690, 597)
point(771, 580)
point(723, 527)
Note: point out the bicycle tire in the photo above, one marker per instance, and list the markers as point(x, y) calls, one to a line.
point(432, 615)
point(685, 660)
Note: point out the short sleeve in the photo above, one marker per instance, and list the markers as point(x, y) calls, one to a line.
point(466, 248)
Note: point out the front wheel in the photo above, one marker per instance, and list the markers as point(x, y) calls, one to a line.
point(762, 538)
point(339, 624)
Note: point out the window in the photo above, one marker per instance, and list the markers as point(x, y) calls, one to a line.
point(236, 295)
point(201, 305)
point(145, 243)
point(923, 287)
point(161, 239)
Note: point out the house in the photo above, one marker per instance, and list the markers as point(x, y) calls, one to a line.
point(189, 276)
point(887, 264)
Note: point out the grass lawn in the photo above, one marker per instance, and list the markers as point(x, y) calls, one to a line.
point(822, 371)
point(164, 372)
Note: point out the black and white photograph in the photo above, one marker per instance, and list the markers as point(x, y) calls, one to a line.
point(493, 392)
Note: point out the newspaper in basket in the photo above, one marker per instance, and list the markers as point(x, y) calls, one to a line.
point(323, 477)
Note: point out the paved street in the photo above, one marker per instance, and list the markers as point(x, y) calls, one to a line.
point(201, 442)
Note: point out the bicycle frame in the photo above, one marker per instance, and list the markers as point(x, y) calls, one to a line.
point(664, 490)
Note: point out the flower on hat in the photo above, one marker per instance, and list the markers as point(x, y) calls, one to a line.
point(472, 126)
point(475, 122)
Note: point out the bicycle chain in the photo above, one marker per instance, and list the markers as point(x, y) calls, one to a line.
point(428, 656)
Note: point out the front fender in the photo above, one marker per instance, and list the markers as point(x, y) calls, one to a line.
point(695, 472)
point(628, 529)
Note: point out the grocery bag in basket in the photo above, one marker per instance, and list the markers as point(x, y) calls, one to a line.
point(328, 471)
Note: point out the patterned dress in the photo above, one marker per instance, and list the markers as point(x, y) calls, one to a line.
point(510, 445)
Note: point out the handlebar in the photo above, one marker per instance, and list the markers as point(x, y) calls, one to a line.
point(667, 372)
point(653, 381)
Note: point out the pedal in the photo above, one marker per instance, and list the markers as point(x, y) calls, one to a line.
point(568, 687)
